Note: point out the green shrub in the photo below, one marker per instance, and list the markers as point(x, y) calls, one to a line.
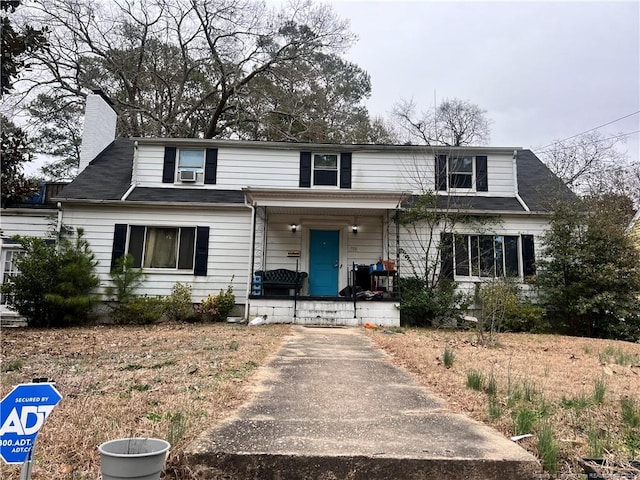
point(423, 306)
point(54, 283)
point(216, 308)
point(503, 307)
point(139, 311)
point(525, 317)
point(178, 305)
point(125, 279)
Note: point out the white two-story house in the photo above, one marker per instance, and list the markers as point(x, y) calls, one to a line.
point(208, 212)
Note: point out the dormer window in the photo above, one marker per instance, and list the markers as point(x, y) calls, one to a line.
point(184, 166)
point(325, 169)
point(460, 172)
point(190, 166)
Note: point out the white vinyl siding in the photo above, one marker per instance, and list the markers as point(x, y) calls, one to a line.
point(364, 248)
point(27, 222)
point(272, 168)
point(228, 244)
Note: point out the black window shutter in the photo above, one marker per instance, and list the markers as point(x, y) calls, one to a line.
point(482, 183)
point(305, 169)
point(119, 243)
point(528, 256)
point(211, 166)
point(446, 255)
point(169, 169)
point(345, 170)
point(202, 251)
point(441, 172)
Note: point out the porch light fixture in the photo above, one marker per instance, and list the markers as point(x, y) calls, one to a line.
point(294, 228)
point(354, 229)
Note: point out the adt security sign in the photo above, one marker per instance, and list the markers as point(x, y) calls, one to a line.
point(22, 413)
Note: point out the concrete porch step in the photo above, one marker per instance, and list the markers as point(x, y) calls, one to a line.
point(333, 312)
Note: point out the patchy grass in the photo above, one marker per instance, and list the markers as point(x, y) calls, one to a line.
point(169, 381)
point(588, 390)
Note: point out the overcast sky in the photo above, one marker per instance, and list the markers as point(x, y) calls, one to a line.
point(542, 70)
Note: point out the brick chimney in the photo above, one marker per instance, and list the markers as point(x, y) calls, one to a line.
point(99, 127)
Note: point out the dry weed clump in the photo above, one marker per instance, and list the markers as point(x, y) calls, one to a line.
point(573, 384)
point(169, 381)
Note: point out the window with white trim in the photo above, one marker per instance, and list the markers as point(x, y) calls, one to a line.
point(9, 268)
point(325, 169)
point(162, 247)
point(461, 172)
point(190, 165)
point(491, 256)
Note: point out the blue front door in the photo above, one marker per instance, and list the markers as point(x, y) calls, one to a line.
point(324, 259)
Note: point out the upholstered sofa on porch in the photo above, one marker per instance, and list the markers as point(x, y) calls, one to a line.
point(279, 281)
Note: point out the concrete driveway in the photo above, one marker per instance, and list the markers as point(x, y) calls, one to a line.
point(330, 405)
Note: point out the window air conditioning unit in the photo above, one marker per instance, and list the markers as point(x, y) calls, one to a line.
point(187, 176)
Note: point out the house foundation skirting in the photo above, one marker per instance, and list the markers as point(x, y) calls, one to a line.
point(315, 311)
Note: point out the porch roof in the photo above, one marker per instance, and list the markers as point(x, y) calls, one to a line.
point(346, 199)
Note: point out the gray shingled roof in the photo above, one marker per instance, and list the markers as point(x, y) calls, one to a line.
point(502, 204)
point(460, 202)
point(537, 185)
point(147, 194)
point(107, 177)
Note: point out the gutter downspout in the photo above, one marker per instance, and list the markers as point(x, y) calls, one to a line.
point(251, 256)
point(514, 164)
point(134, 172)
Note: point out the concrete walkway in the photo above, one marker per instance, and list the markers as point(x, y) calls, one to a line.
point(331, 406)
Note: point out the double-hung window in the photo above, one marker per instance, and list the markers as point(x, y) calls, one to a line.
point(162, 247)
point(461, 172)
point(325, 169)
point(191, 165)
point(491, 256)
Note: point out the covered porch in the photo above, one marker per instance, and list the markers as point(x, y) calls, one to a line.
point(324, 257)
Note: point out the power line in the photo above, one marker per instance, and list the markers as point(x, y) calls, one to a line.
point(591, 129)
point(615, 137)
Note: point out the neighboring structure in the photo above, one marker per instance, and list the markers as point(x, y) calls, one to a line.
point(208, 212)
point(35, 218)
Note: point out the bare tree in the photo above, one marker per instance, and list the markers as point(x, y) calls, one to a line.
point(453, 123)
point(177, 67)
point(593, 164)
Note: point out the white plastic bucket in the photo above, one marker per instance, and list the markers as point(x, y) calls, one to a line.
point(133, 458)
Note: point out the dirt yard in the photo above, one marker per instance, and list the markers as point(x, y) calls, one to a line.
point(167, 381)
point(174, 381)
point(554, 378)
